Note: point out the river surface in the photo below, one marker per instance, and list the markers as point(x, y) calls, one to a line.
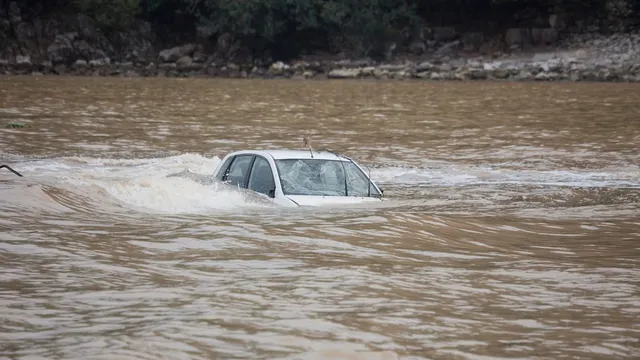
point(510, 230)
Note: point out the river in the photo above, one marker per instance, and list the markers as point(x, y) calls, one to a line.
point(511, 228)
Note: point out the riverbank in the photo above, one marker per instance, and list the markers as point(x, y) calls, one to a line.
point(580, 57)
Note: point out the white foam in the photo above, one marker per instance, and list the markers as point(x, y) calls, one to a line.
point(175, 195)
point(144, 184)
point(457, 175)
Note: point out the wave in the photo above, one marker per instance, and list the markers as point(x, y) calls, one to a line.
point(175, 184)
point(183, 184)
point(459, 175)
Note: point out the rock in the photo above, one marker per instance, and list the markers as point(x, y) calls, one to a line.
point(392, 67)
point(299, 66)
point(23, 61)
point(581, 54)
point(471, 74)
point(444, 67)
point(80, 64)
point(444, 34)
point(448, 49)
point(297, 76)
point(500, 73)
point(472, 41)
point(436, 76)
point(128, 65)
point(200, 57)
point(99, 62)
point(517, 36)
point(418, 47)
point(184, 62)
point(62, 48)
point(350, 64)
point(379, 73)
point(344, 73)
point(491, 66)
point(424, 66)
point(59, 69)
point(546, 76)
point(524, 75)
point(278, 68)
point(370, 71)
point(557, 22)
point(544, 36)
point(130, 73)
point(175, 53)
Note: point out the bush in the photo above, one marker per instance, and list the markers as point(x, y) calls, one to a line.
point(282, 29)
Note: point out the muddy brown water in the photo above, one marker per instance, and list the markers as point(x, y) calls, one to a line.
point(511, 228)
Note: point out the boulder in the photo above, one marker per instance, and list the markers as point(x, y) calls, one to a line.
point(278, 68)
point(444, 34)
point(345, 73)
point(62, 48)
point(546, 76)
point(100, 62)
point(350, 64)
point(23, 61)
point(80, 64)
point(185, 61)
point(544, 36)
point(69, 47)
point(472, 41)
point(500, 73)
point(174, 54)
point(424, 66)
point(517, 36)
point(417, 47)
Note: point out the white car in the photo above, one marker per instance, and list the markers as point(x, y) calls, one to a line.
point(299, 177)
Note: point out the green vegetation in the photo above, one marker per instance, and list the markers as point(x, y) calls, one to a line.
point(15, 125)
point(284, 29)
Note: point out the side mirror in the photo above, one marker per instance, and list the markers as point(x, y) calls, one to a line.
point(272, 193)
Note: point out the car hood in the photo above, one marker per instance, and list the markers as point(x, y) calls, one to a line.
point(305, 200)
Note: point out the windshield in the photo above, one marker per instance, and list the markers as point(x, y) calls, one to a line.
point(323, 178)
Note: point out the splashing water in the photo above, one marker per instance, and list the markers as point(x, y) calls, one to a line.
point(183, 184)
point(175, 184)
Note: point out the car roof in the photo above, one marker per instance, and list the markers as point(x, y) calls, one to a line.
point(294, 154)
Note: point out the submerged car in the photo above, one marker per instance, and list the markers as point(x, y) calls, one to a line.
point(298, 177)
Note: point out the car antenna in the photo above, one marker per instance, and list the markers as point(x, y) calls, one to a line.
point(10, 169)
point(306, 142)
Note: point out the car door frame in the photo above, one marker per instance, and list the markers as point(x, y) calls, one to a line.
point(225, 174)
point(272, 192)
point(234, 157)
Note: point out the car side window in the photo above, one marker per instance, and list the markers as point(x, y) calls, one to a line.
point(224, 168)
point(261, 179)
point(239, 170)
point(358, 183)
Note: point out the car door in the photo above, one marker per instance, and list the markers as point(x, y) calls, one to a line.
point(261, 179)
point(238, 172)
point(220, 175)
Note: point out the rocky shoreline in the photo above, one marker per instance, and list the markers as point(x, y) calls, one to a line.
point(585, 57)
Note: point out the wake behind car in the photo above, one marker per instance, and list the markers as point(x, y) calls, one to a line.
point(299, 177)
